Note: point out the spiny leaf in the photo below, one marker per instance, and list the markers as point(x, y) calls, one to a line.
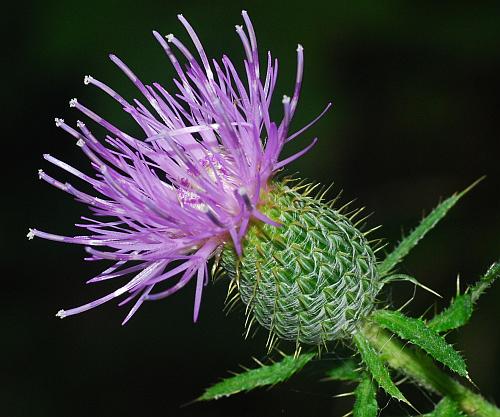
point(366, 399)
point(416, 332)
point(456, 315)
point(485, 282)
point(403, 277)
point(446, 408)
point(377, 368)
point(404, 247)
point(460, 310)
point(344, 372)
point(259, 377)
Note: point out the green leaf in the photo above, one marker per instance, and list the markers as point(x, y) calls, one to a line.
point(409, 242)
point(445, 408)
point(460, 310)
point(485, 282)
point(366, 399)
point(377, 368)
point(456, 315)
point(344, 372)
point(259, 377)
point(416, 332)
point(403, 277)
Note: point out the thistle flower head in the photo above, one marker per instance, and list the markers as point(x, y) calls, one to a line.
point(165, 202)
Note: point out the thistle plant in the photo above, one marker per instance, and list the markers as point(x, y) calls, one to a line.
point(202, 184)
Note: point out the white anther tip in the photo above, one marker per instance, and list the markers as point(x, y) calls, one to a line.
point(180, 16)
point(72, 102)
point(170, 37)
point(80, 143)
point(243, 12)
point(58, 121)
point(238, 27)
point(285, 99)
point(31, 234)
point(61, 314)
point(300, 48)
point(40, 174)
point(80, 124)
point(87, 79)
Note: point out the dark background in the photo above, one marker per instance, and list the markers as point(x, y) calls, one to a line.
point(416, 94)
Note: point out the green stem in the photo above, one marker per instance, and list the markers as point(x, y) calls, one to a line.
point(421, 369)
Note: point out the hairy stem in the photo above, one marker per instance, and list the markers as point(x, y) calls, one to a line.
point(422, 370)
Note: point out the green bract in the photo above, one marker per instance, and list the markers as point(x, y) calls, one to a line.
point(310, 280)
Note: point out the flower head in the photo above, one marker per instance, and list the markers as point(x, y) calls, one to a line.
point(164, 203)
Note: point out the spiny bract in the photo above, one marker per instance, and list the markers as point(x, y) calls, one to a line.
point(310, 280)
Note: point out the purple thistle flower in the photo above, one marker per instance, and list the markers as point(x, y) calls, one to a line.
point(194, 181)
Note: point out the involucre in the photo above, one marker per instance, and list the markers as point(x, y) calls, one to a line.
point(310, 280)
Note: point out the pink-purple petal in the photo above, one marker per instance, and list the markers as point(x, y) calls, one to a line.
point(191, 181)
